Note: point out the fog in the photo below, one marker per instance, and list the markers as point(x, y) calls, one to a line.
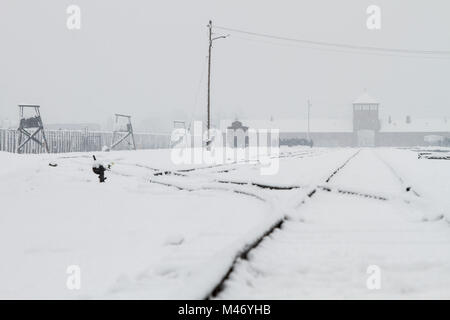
point(148, 59)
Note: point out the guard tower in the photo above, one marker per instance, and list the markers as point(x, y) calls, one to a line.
point(179, 124)
point(125, 131)
point(180, 137)
point(33, 123)
point(366, 123)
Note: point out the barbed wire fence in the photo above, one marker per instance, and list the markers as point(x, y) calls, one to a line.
point(63, 141)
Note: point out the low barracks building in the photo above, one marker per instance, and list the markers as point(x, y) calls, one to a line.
point(365, 129)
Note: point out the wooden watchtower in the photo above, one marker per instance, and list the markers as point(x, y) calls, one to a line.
point(34, 123)
point(125, 132)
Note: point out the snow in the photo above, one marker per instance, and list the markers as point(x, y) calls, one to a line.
point(131, 238)
point(157, 230)
point(299, 170)
point(359, 175)
point(430, 178)
point(324, 252)
point(327, 256)
point(55, 217)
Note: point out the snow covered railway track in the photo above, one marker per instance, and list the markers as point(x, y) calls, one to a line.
point(328, 188)
point(227, 167)
point(204, 170)
point(210, 184)
point(342, 166)
point(262, 185)
point(407, 187)
point(232, 166)
point(209, 187)
point(337, 234)
point(243, 254)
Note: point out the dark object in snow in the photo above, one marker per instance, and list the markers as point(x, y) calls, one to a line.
point(99, 169)
point(433, 156)
point(53, 164)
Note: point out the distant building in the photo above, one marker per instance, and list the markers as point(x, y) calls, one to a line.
point(365, 129)
point(237, 135)
point(366, 122)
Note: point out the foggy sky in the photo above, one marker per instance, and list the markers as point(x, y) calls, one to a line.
point(147, 58)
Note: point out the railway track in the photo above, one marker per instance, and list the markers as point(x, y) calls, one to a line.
point(159, 176)
point(222, 167)
point(244, 255)
point(290, 227)
point(407, 187)
point(208, 181)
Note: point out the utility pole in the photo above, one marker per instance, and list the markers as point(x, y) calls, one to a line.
point(208, 121)
point(211, 40)
point(309, 109)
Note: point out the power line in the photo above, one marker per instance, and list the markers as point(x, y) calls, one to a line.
point(345, 51)
point(338, 45)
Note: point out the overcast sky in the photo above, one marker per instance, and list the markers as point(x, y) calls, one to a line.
point(146, 58)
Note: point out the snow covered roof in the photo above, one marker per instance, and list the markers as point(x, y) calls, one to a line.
point(297, 125)
point(416, 125)
point(365, 98)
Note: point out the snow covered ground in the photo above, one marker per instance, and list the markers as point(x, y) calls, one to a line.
point(156, 230)
point(326, 250)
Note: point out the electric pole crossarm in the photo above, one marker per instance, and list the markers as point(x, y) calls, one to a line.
point(221, 37)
